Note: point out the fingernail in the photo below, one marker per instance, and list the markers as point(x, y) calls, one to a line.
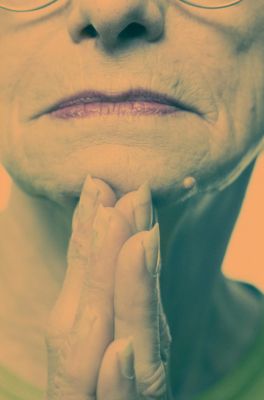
point(126, 361)
point(91, 188)
point(151, 244)
point(143, 209)
point(101, 219)
point(88, 202)
point(75, 217)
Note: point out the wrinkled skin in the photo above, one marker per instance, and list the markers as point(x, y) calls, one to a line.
point(214, 63)
point(107, 335)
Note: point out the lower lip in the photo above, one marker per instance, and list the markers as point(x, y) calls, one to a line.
point(124, 108)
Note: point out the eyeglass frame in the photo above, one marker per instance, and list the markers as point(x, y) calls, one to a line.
point(188, 2)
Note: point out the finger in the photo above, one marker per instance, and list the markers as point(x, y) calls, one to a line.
point(136, 207)
point(110, 231)
point(136, 307)
point(93, 189)
point(94, 249)
point(117, 378)
point(97, 292)
point(93, 193)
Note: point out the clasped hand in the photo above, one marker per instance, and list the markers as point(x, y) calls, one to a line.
point(107, 337)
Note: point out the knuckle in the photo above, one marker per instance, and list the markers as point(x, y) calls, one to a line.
point(59, 387)
point(153, 382)
point(87, 316)
point(78, 247)
point(54, 335)
point(96, 293)
point(58, 322)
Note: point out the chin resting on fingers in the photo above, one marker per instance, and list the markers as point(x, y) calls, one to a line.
point(110, 292)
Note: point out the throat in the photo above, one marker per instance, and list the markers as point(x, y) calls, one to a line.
point(220, 336)
point(32, 268)
point(213, 321)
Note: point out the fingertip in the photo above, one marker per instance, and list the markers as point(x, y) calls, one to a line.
point(116, 379)
point(137, 208)
point(106, 194)
point(132, 252)
point(125, 358)
point(125, 206)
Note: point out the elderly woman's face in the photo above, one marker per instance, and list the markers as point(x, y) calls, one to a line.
point(148, 56)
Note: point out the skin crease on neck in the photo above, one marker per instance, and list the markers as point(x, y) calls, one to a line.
point(209, 57)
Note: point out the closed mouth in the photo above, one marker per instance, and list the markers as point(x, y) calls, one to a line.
point(133, 102)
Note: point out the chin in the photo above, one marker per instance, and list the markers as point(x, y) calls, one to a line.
point(123, 168)
point(58, 174)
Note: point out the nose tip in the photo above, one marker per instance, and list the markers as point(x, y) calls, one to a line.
point(113, 22)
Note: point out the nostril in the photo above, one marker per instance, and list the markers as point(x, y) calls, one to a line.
point(89, 31)
point(133, 30)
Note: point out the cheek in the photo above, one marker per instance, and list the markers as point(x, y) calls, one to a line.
point(236, 75)
point(243, 102)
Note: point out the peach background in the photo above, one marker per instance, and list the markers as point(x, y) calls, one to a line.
point(245, 256)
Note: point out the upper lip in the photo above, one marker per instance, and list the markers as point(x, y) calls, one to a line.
point(136, 95)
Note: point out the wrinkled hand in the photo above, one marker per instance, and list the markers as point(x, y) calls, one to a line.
point(107, 337)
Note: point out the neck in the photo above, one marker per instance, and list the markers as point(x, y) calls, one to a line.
point(193, 289)
point(213, 320)
point(34, 234)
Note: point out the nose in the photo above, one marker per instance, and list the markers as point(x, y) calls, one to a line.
point(113, 22)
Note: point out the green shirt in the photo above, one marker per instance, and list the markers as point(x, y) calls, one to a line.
point(14, 388)
point(246, 382)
